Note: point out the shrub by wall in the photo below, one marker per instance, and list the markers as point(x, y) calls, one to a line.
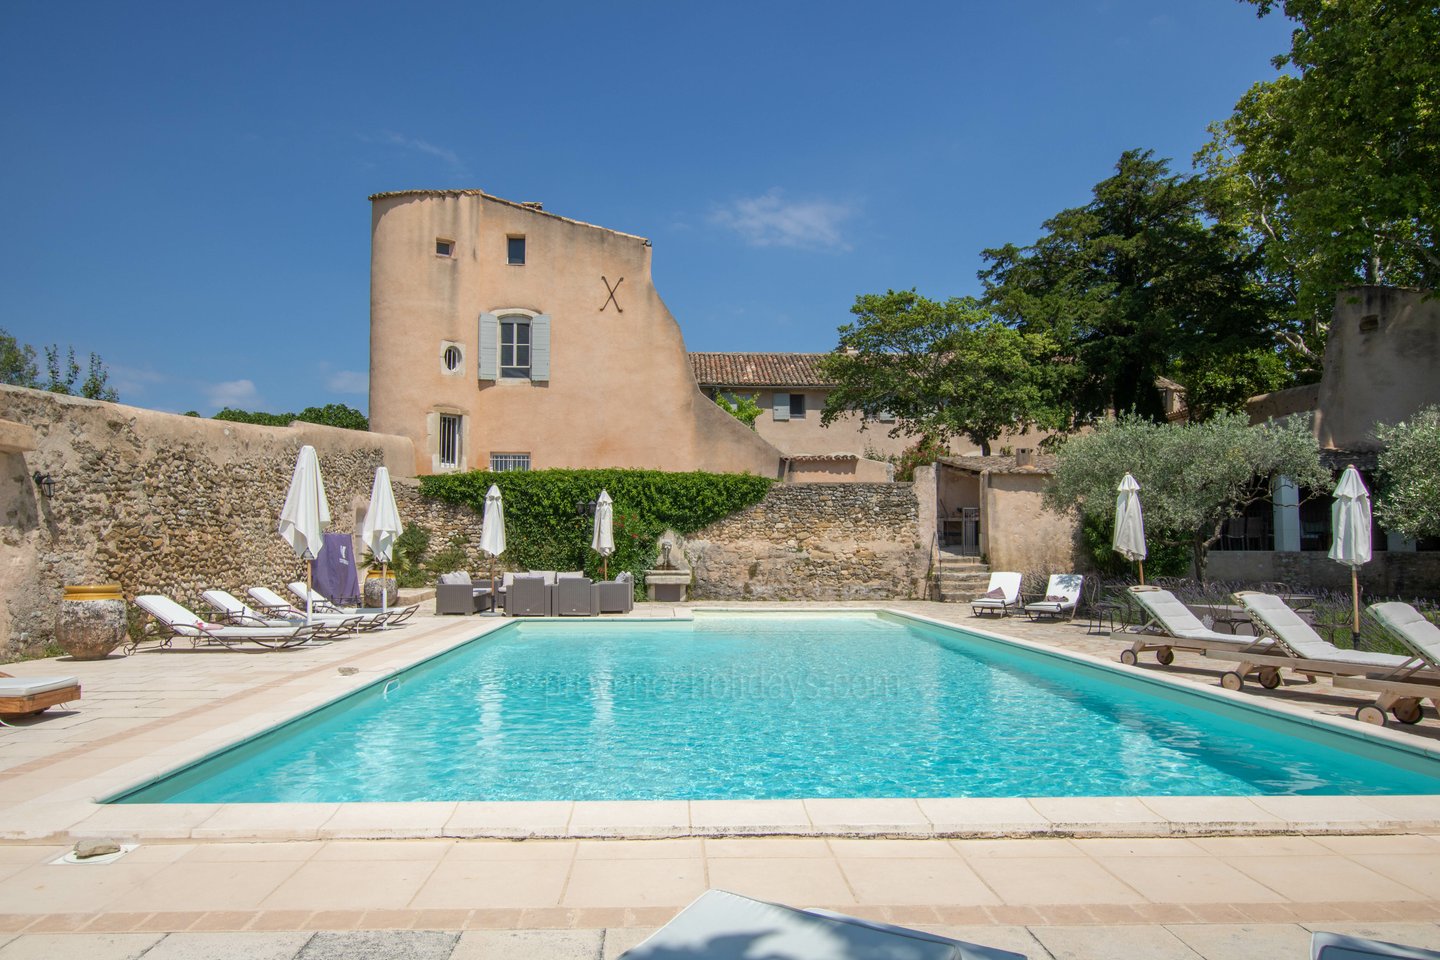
point(543, 531)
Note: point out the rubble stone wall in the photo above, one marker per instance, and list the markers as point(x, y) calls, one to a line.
point(814, 541)
point(158, 503)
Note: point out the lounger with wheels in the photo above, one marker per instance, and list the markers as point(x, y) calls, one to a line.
point(235, 612)
point(1171, 626)
point(1402, 681)
point(1001, 596)
point(389, 618)
point(277, 606)
point(26, 696)
point(1062, 595)
point(180, 622)
point(720, 925)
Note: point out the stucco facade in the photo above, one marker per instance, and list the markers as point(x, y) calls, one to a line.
point(791, 391)
point(601, 378)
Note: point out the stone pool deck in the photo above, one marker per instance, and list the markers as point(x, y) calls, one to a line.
point(1154, 877)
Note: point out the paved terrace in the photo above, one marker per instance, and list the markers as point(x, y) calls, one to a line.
point(1062, 878)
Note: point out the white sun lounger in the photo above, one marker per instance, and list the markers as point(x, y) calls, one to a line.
point(1062, 595)
point(23, 696)
point(720, 925)
point(237, 612)
point(1401, 680)
point(1171, 626)
point(1008, 583)
point(182, 623)
point(277, 606)
point(373, 618)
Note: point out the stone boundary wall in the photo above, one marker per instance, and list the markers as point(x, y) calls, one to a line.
point(159, 503)
point(1390, 573)
point(814, 541)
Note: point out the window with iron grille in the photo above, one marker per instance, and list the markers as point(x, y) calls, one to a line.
point(449, 440)
point(500, 462)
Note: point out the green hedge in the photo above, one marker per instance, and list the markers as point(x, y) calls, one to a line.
point(542, 531)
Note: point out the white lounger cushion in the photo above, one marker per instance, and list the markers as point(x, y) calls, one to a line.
point(1410, 625)
point(30, 686)
point(1176, 619)
point(186, 624)
point(1065, 585)
point(1005, 580)
point(1302, 639)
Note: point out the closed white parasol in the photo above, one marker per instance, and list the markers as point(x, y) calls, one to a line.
point(382, 527)
point(1350, 531)
point(492, 534)
point(603, 541)
point(306, 512)
point(1129, 539)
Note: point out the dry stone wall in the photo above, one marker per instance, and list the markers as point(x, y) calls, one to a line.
point(814, 541)
point(158, 503)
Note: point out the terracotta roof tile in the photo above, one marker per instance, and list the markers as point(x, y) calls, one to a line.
point(759, 370)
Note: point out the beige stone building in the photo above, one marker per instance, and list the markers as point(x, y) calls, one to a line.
point(1382, 355)
point(503, 336)
point(791, 391)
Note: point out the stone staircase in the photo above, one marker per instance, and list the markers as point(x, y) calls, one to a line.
point(959, 578)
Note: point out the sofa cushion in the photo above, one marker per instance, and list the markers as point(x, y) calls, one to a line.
point(459, 576)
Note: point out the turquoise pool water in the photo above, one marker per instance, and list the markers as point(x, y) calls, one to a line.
point(756, 707)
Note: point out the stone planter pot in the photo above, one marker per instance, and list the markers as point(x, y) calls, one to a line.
point(378, 588)
point(92, 621)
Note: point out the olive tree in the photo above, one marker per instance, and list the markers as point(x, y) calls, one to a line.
point(1193, 477)
point(1409, 500)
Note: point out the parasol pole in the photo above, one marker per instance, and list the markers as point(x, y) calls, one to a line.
point(384, 589)
point(1355, 597)
point(309, 588)
point(1142, 571)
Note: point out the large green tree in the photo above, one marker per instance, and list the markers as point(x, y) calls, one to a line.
point(940, 369)
point(1138, 283)
point(1333, 167)
point(1409, 500)
point(1193, 477)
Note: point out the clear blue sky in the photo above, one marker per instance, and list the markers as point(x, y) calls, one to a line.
point(186, 183)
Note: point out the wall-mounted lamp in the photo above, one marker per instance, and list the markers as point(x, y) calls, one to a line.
point(44, 483)
point(584, 508)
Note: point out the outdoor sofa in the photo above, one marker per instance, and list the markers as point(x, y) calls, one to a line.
point(457, 593)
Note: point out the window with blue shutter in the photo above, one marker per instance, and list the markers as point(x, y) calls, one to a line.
point(489, 347)
point(540, 348)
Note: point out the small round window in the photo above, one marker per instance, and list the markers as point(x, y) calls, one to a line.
point(452, 357)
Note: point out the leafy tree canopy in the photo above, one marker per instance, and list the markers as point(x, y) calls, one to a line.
point(331, 415)
point(1334, 166)
point(62, 371)
point(940, 369)
point(744, 409)
point(1139, 283)
point(1193, 477)
point(1409, 500)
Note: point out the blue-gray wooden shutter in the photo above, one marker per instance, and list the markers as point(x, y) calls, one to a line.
point(781, 409)
point(489, 347)
point(540, 348)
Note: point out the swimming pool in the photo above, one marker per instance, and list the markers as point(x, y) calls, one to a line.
point(751, 706)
